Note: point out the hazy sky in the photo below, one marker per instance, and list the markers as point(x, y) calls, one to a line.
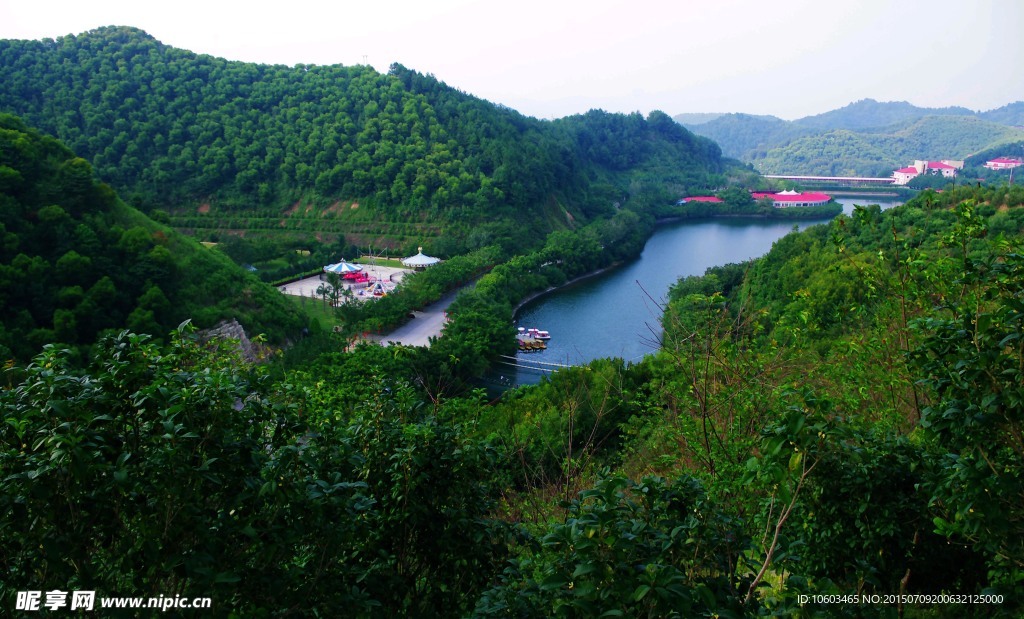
point(789, 58)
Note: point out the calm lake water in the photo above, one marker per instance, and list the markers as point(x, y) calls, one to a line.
point(618, 314)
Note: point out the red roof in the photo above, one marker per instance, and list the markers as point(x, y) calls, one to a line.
point(702, 199)
point(802, 197)
point(910, 170)
point(938, 165)
point(791, 196)
point(1006, 160)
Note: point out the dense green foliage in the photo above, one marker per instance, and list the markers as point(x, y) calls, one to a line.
point(922, 303)
point(866, 138)
point(842, 415)
point(835, 153)
point(334, 150)
point(76, 261)
point(647, 549)
point(179, 470)
point(972, 357)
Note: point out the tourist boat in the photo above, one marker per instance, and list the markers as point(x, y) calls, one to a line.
point(538, 334)
point(527, 345)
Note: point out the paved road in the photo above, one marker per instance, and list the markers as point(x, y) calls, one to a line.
point(425, 325)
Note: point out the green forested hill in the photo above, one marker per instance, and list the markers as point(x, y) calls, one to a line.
point(868, 114)
point(325, 149)
point(866, 138)
point(1012, 114)
point(745, 136)
point(76, 261)
point(844, 152)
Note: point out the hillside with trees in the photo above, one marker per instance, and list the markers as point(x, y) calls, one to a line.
point(329, 151)
point(849, 153)
point(745, 136)
point(75, 261)
point(866, 138)
point(1012, 114)
point(870, 115)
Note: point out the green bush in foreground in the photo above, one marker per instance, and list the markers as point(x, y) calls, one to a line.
point(181, 471)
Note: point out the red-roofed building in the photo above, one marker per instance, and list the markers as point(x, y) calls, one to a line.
point(1003, 163)
point(903, 175)
point(946, 167)
point(941, 167)
point(785, 199)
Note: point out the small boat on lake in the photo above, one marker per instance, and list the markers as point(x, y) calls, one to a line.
point(532, 340)
point(538, 334)
point(531, 345)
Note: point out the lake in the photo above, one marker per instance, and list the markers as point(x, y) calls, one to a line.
point(618, 313)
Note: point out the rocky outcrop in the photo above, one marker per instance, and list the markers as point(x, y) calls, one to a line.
point(231, 330)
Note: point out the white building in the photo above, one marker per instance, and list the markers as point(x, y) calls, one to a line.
point(946, 167)
point(903, 175)
point(1003, 163)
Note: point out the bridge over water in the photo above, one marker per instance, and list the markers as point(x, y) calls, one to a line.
point(848, 181)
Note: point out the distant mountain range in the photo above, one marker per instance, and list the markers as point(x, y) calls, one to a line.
point(864, 138)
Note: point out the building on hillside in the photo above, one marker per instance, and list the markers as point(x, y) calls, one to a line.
point(1004, 163)
point(786, 199)
point(904, 175)
point(947, 168)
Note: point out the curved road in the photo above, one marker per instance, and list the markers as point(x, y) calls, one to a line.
point(425, 325)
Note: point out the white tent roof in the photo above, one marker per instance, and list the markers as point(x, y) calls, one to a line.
point(342, 267)
point(420, 260)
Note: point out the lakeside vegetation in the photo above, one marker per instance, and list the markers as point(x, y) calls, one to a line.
point(841, 415)
point(738, 202)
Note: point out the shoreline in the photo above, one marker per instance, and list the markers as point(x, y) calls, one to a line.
point(657, 222)
point(550, 289)
point(828, 211)
point(868, 194)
